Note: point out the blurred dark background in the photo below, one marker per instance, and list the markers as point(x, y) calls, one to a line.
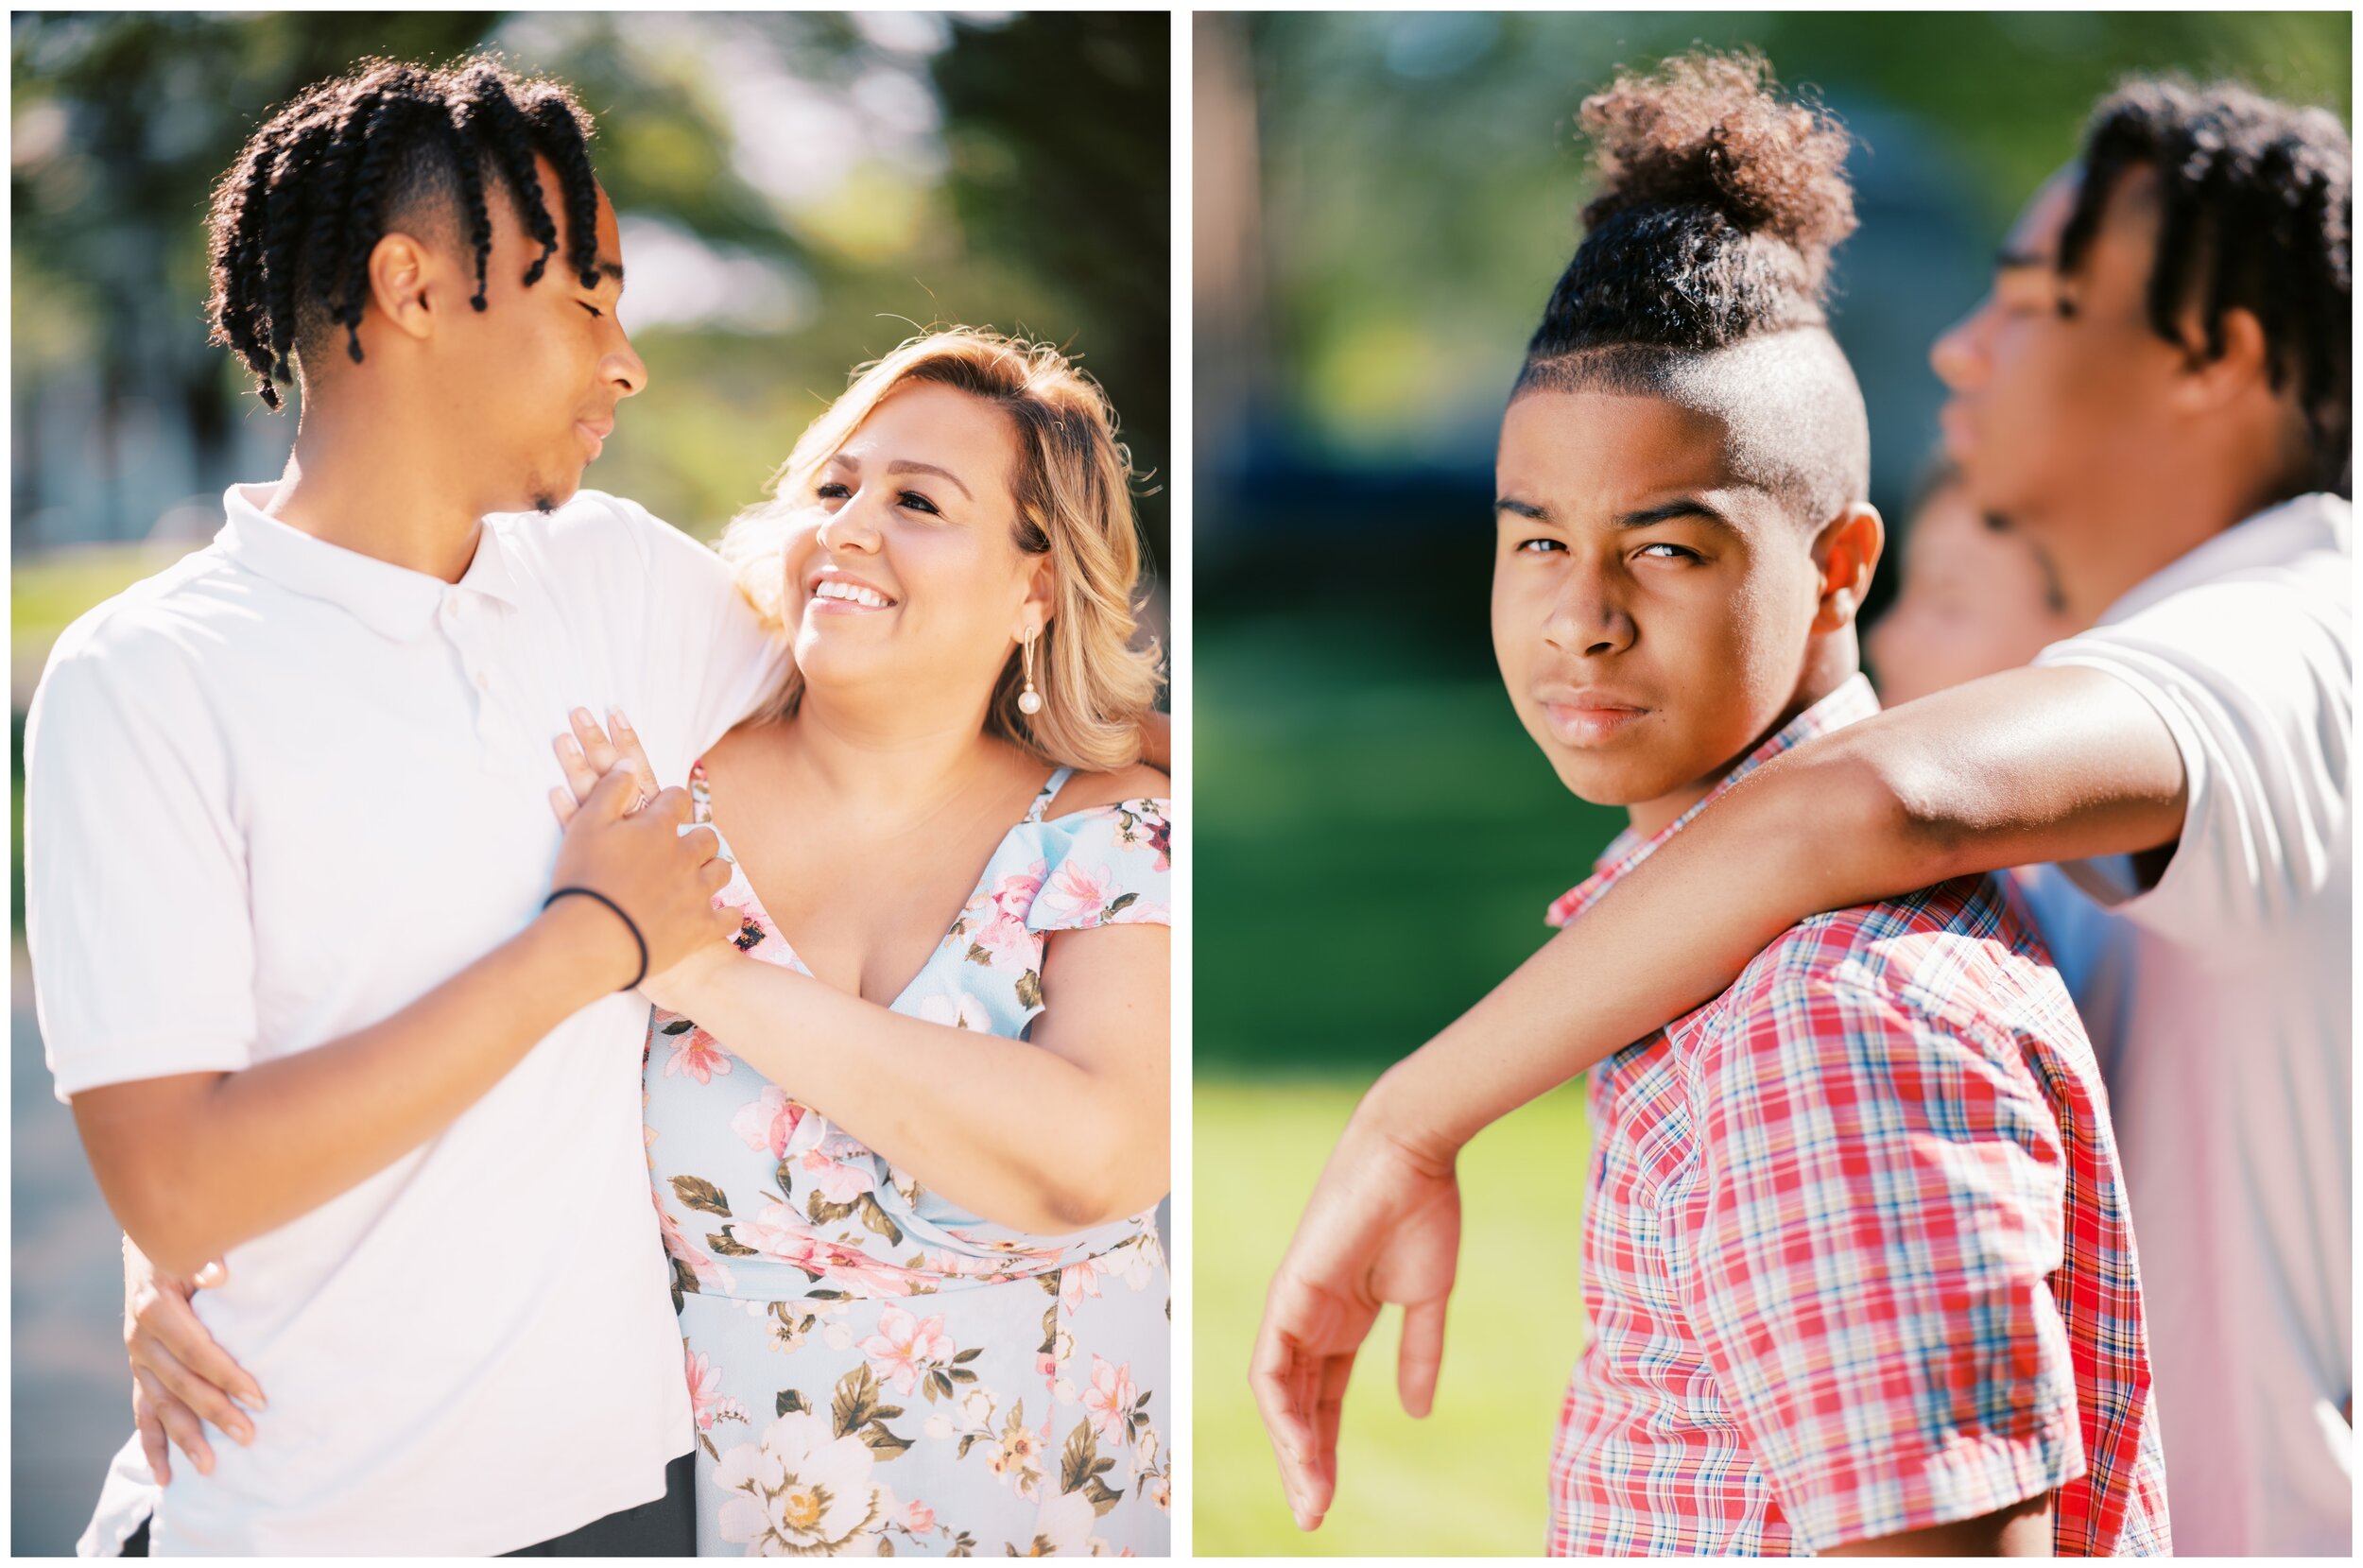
point(1383, 203)
point(798, 192)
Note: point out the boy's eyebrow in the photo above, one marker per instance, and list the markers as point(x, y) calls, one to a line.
point(1687, 506)
point(613, 269)
point(2009, 260)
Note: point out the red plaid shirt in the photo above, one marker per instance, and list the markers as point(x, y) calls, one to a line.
point(1855, 1251)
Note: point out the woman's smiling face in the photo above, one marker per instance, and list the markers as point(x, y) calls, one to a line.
point(1651, 610)
point(903, 569)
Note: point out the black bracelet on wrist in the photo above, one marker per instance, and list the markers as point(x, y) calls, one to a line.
point(639, 940)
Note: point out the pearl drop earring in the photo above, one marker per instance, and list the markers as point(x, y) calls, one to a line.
point(1029, 700)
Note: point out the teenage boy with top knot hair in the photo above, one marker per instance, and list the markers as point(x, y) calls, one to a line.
point(1856, 1252)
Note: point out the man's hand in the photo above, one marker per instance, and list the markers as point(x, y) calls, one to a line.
point(1382, 1225)
point(180, 1376)
point(665, 879)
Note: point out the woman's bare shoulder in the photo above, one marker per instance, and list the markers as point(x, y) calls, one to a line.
point(1086, 790)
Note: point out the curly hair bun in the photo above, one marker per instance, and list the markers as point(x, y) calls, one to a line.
point(1710, 130)
point(1718, 205)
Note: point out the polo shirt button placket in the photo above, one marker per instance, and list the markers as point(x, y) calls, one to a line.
point(479, 676)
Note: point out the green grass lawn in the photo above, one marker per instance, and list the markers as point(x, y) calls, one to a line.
point(1469, 1480)
point(46, 591)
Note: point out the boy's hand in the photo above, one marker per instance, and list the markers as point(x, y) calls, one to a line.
point(1382, 1225)
point(662, 878)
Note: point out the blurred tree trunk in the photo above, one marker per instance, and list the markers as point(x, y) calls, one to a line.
point(1074, 114)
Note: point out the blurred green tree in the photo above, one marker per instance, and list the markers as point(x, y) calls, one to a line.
point(122, 124)
point(996, 204)
point(1059, 139)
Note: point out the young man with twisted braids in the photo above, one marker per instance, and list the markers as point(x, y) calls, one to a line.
point(326, 989)
point(1856, 1252)
point(2158, 392)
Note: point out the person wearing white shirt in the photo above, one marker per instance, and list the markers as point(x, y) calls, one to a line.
point(330, 994)
point(2157, 394)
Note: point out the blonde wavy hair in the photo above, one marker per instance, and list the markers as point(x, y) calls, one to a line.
point(1073, 487)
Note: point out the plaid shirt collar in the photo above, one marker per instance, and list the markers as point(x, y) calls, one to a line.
point(1853, 700)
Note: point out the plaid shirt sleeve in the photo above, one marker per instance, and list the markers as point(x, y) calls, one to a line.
point(1880, 1195)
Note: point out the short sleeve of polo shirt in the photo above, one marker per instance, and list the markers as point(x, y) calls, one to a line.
point(1880, 1204)
point(135, 888)
point(2254, 678)
point(709, 661)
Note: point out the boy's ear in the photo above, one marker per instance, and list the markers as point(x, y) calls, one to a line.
point(2207, 383)
point(1846, 552)
point(404, 283)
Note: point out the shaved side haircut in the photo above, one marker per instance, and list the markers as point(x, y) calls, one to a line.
point(1704, 268)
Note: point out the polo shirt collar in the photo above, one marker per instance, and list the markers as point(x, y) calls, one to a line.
point(393, 601)
point(1852, 701)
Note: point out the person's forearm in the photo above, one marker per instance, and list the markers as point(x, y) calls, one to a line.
point(248, 1152)
point(2027, 766)
point(1007, 1130)
point(1653, 949)
point(2023, 1530)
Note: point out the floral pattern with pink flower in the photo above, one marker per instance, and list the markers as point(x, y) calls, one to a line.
point(705, 1388)
point(906, 1346)
point(768, 1123)
point(1109, 1400)
point(695, 1052)
point(932, 1382)
point(1080, 895)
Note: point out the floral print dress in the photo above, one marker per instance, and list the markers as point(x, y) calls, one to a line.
point(874, 1370)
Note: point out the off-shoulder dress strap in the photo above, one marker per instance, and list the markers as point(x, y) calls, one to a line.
point(1049, 790)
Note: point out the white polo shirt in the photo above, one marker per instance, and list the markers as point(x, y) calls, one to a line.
point(2221, 1000)
point(273, 794)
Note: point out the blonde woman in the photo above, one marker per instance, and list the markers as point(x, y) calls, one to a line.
point(909, 1131)
point(909, 1128)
